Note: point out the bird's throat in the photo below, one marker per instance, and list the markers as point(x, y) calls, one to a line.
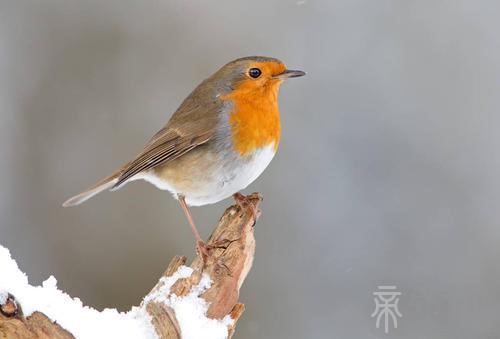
point(255, 118)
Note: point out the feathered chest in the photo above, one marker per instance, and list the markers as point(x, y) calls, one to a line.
point(254, 120)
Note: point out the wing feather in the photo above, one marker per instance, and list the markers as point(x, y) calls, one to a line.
point(190, 126)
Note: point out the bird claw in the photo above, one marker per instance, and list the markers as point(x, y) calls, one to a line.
point(203, 248)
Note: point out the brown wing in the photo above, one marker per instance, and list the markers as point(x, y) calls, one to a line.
point(190, 126)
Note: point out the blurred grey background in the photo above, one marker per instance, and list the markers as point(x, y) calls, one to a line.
point(387, 173)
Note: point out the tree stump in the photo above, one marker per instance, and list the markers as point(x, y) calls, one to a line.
point(232, 248)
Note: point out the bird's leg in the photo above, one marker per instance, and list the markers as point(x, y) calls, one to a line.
point(201, 246)
point(244, 203)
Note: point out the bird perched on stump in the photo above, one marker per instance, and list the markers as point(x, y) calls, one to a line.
point(220, 139)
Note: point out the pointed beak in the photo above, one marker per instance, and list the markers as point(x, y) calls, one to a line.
point(289, 73)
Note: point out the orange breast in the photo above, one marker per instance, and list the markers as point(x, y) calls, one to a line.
point(255, 119)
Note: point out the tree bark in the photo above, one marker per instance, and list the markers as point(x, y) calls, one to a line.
point(229, 259)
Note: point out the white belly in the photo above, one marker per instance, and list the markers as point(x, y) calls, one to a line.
point(223, 176)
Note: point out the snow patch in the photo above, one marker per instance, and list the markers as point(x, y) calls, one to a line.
point(3, 297)
point(191, 310)
point(85, 322)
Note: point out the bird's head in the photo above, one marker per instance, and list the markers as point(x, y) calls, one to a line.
point(253, 75)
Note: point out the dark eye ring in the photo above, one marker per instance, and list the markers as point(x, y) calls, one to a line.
point(254, 72)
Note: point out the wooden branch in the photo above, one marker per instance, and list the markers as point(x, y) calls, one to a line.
point(13, 325)
point(232, 248)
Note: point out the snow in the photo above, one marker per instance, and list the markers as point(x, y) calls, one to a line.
point(190, 310)
point(85, 322)
point(3, 297)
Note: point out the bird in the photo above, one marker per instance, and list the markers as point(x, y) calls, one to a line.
point(219, 140)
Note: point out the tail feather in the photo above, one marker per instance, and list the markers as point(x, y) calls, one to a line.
point(102, 185)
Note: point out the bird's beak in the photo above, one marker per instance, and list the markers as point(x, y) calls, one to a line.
point(289, 73)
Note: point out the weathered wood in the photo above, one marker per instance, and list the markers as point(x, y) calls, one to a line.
point(229, 259)
point(236, 312)
point(13, 325)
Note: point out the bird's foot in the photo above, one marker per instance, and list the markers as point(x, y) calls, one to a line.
point(203, 249)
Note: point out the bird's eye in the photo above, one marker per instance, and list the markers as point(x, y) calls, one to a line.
point(254, 72)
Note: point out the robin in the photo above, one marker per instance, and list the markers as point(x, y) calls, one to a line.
point(220, 139)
